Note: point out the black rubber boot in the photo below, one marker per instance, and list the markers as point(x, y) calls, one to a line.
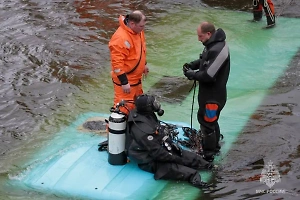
point(209, 157)
point(219, 137)
point(270, 21)
point(257, 15)
point(196, 181)
point(209, 146)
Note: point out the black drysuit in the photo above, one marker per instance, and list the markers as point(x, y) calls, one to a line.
point(213, 71)
point(146, 144)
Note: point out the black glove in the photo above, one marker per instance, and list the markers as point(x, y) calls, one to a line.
point(186, 67)
point(177, 149)
point(190, 74)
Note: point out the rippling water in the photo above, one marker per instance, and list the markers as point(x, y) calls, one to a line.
point(48, 51)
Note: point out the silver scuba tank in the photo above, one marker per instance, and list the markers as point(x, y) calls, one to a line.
point(116, 139)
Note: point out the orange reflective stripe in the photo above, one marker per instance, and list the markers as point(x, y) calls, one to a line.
point(211, 112)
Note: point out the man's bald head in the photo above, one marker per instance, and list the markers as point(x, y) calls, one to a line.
point(137, 21)
point(207, 27)
point(205, 31)
point(136, 16)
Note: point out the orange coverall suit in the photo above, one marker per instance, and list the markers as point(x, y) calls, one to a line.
point(128, 57)
point(268, 6)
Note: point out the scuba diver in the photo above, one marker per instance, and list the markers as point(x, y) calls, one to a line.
point(151, 147)
point(268, 6)
point(211, 72)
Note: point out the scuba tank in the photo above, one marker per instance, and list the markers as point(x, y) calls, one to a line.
point(116, 137)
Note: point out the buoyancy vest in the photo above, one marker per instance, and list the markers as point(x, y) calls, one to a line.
point(140, 128)
point(150, 125)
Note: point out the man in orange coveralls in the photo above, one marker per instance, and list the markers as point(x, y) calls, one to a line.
point(128, 59)
point(268, 6)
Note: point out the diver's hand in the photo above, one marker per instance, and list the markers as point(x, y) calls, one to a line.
point(146, 70)
point(190, 74)
point(177, 149)
point(126, 88)
point(186, 67)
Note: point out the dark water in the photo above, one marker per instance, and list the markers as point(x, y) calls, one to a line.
point(52, 52)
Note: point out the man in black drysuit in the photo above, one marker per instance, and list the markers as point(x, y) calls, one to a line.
point(148, 144)
point(211, 71)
